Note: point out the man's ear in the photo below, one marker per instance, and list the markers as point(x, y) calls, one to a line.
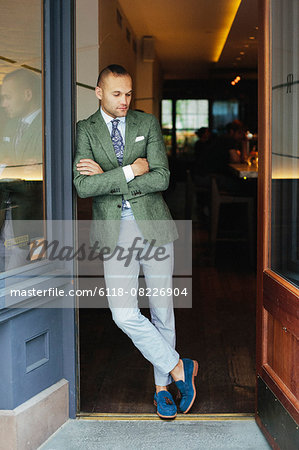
point(98, 92)
point(28, 95)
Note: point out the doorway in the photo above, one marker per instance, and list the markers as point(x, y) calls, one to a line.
point(219, 330)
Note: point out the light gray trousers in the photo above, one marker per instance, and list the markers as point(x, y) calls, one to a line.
point(156, 338)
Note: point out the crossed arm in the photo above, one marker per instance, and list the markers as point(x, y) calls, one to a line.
point(151, 174)
point(90, 167)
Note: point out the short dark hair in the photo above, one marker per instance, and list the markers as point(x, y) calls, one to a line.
point(115, 69)
point(234, 126)
point(201, 131)
point(27, 80)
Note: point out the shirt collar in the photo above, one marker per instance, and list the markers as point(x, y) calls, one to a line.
point(108, 118)
point(30, 118)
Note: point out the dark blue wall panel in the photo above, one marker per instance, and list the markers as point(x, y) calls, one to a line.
point(19, 384)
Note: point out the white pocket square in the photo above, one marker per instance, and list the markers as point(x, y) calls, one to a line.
point(139, 138)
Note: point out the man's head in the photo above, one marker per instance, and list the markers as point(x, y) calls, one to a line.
point(114, 89)
point(20, 93)
point(235, 130)
point(203, 133)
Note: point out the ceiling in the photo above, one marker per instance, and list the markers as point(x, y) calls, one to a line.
point(190, 35)
point(20, 35)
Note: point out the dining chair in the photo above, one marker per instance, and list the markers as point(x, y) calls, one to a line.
point(194, 192)
point(221, 197)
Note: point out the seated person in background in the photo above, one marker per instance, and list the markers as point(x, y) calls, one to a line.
point(200, 147)
point(225, 149)
point(219, 153)
point(228, 148)
point(237, 137)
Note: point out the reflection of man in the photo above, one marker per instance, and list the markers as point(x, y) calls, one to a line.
point(22, 140)
point(21, 164)
point(121, 162)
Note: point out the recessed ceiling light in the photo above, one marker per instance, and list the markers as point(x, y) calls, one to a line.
point(251, 37)
point(242, 53)
point(256, 28)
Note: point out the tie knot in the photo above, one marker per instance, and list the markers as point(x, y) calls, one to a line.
point(115, 123)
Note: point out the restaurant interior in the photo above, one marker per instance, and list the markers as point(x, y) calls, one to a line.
point(202, 85)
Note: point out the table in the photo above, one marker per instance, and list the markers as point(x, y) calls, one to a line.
point(243, 170)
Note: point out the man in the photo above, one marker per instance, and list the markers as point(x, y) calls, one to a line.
point(121, 162)
point(22, 141)
point(21, 154)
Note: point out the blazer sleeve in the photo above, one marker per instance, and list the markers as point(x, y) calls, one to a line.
point(111, 182)
point(157, 179)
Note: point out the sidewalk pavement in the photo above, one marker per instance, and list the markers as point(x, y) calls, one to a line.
point(157, 435)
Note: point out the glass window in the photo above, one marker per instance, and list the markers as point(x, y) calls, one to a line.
point(224, 112)
point(192, 114)
point(167, 124)
point(21, 136)
point(167, 114)
point(285, 142)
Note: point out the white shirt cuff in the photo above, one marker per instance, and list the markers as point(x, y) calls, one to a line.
point(129, 174)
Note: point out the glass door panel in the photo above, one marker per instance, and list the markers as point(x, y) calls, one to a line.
point(21, 131)
point(278, 294)
point(285, 142)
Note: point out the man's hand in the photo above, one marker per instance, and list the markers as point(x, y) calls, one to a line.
point(140, 166)
point(89, 167)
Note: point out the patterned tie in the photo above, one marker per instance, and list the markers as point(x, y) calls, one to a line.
point(118, 145)
point(117, 141)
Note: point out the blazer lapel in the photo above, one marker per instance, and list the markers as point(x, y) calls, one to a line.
point(101, 134)
point(131, 134)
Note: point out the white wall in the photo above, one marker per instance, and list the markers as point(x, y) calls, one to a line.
point(87, 31)
point(149, 82)
point(100, 42)
point(114, 46)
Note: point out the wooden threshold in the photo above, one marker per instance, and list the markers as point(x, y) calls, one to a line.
point(180, 417)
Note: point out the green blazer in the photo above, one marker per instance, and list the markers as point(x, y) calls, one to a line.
point(143, 140)
point(30, 150)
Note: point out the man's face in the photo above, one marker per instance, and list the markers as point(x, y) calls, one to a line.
point(238, 135)
point(115, 93)
point(14, 99)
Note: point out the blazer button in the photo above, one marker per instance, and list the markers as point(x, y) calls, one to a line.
point(119, 206)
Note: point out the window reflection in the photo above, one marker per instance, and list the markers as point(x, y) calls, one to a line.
point(21, 137)
point(285, 140)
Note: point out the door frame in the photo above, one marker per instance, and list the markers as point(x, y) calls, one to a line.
point(269, 284)
point(60, 94)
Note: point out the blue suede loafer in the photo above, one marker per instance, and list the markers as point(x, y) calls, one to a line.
point(166, 408)
point(187, 387)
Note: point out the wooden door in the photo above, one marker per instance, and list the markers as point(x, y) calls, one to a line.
point(277, 402)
